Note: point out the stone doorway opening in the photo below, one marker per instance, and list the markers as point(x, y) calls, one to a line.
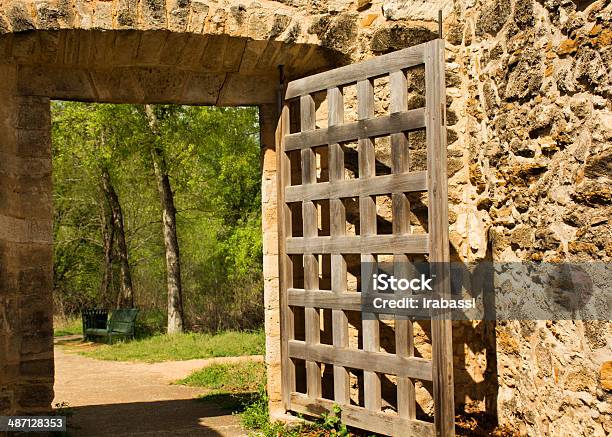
point(119, 66)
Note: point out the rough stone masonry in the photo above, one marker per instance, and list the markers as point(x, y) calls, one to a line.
point(529, 87)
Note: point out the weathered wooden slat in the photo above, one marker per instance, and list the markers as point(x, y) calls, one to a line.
point(358, 417)
point(441, 329)
point(385, 184)
point(375, 362)
point(325, 299)
point(377, 66)
point(311, 264)
point(383, 244)
point(370, 127)
point(367, 227)
point(340, 334)
point(404, 333)
point(287, 326)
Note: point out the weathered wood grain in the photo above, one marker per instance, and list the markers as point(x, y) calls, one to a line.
point(385, 184)
point(374, 67)
point(365, 128)
point(358, 417)
point(441, 328)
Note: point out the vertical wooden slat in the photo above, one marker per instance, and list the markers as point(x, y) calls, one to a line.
point(311, 263)
point(404, 336)
point(287, 331)
point(441, 328)
point(338, 262)
point(367, 226)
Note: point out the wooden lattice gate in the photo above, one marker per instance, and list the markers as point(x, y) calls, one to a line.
point(314, 245)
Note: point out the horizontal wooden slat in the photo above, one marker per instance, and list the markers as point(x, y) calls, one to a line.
point(324, 299)
point(358, 417)
point(391, 244)
point(387, 184)
point(352, 302)
point(374, 67)
point(381, 362)
point(367, 128)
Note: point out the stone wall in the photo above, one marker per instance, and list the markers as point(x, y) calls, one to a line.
point(26, 324)
point(530, 126)
point(534, 131)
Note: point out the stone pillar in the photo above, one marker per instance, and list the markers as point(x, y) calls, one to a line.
point(267, 124)
point(26, 275)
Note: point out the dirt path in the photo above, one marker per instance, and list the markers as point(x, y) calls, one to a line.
point(138, 399)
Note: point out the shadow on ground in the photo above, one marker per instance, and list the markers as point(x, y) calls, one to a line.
point(209, 416)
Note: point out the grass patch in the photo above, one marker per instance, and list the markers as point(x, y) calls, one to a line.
point(186, 346)
point(255, 416)
point(240, 388)
point(67, 326)
point(245, 376)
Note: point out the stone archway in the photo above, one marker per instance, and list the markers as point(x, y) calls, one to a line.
point(122, 52)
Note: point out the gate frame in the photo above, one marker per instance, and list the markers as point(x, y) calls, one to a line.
point(431, 54)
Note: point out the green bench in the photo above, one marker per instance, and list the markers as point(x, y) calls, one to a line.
point(120, 324)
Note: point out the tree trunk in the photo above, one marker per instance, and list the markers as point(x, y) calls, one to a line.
point(166, 197)
point(125, 298)
point(108, 237)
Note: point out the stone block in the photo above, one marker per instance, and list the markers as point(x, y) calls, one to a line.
point(37, 344)
point(150, 47)
point(20, 18)
point(172, 51)
point(178, 14)
point(270, 266)
point(35, 395)
point(203, 88)
point(103, 15)
point(153, 14)
point(34, 113)
point(84, 14)
point(37, 368)
point(247, 90)
point(125, 48)
point(199, 13)
point(126, 12)
point(162, 86)
point(416, 9)
point(33, 143)
point(57, 83)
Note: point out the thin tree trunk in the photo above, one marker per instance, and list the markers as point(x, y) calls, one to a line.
point(125, 298)
point(108, 237)
point(173, 264)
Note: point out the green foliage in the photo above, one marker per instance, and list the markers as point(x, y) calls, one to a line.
point(214, 166)
point(245, 376)
point(186, 346)
point(256, 417)
point(67, 326)
point(332, 422)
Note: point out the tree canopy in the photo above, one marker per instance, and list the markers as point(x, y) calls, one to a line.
point(213, 162)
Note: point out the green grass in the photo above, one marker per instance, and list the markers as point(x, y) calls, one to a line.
point(185, 346)
point(69, 326)
point(240, 387)
point(245, 376)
